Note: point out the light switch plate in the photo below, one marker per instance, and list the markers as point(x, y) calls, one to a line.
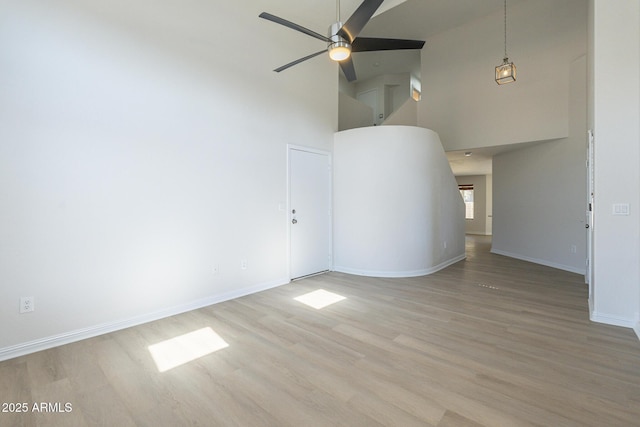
point(621, 209)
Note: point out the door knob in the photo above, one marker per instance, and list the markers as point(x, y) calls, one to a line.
point(294, 221)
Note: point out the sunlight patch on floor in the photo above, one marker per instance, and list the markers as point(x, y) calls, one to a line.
point(186, 348)
point(319, 299)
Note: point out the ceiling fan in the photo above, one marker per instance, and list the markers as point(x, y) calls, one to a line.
point(342, 39)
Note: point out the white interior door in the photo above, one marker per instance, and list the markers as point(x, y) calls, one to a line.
point(370, 98)
point(309, 211)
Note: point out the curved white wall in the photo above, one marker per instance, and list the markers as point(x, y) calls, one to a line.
point(397, 208)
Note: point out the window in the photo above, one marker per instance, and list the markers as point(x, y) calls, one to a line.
point(466, 191)
point(415, 94)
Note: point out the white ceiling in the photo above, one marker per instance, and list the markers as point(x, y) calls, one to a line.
point(425, 18)
point(413, 19)
point(480, 162)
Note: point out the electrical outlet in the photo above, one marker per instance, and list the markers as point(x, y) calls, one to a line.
point(26, 304)
point(574, 249)
point(243, 264)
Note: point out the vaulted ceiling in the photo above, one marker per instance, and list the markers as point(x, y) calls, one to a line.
point(414, 19)
point(422, 19)
point(407, 19)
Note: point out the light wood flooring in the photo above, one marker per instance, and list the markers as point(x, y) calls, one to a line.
point(489, 341)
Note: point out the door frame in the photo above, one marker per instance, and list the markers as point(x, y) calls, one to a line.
point(294, 147)
point(590, 217)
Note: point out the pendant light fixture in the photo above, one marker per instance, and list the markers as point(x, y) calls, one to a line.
point(505, 72)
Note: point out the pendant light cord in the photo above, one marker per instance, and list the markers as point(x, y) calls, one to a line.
point(338, 10)
point(505, 28)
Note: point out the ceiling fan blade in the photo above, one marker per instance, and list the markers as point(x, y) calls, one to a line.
point(289, 24)
point(297, 61)
point(367, 44)
point(348, 69)
point(359, 19)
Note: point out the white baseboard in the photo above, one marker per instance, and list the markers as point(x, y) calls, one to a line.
point(540, 261)
point(609, 319)
point(399, 274)
point(613, 320)
point(105, 328)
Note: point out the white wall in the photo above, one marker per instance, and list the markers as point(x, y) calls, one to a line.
point(397, 208)
point(462, 102)
point(480, 224)
point(353, 113)
point(406, 115)
point(345, 87)
point(138, 149)
point(615, 102)
point(539, 197)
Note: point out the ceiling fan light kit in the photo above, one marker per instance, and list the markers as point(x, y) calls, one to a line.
point(343, 39)
point(339, 49)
